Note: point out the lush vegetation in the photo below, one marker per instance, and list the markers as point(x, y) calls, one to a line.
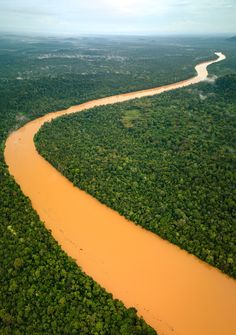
point(42, 291)
point(166, 163)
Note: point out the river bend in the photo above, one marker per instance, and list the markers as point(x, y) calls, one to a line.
point(175, 292)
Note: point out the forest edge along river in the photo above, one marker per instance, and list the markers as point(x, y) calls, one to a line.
point(173, 291)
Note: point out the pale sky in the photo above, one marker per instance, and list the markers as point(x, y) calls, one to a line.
point(75, 17)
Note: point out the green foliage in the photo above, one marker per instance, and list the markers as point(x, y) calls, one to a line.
point(226, 86)
point(166, 163)
point(129, 117)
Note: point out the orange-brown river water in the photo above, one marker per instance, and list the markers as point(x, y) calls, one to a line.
point(175, 292)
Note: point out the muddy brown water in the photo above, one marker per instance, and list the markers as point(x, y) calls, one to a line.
point(173, 291)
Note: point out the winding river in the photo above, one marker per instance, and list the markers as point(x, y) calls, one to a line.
point(175, 292)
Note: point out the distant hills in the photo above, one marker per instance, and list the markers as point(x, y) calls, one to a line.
point(232, 39)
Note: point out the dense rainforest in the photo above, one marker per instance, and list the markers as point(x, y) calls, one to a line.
point(42, 290)
point(166, 163)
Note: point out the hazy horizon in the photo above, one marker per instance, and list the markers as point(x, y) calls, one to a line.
point(123, 17)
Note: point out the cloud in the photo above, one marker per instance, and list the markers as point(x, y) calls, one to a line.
point(140, 8)
point(114, 16)
point(211, 79)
